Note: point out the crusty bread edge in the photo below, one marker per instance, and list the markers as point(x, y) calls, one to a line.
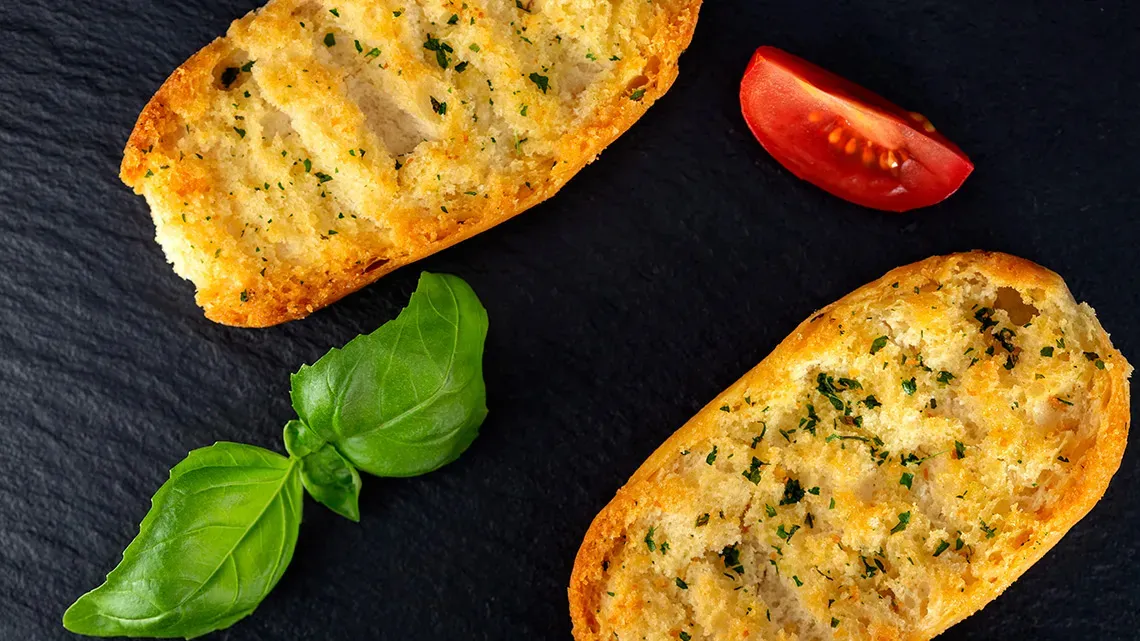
point(1099, 465)
point(158, 120)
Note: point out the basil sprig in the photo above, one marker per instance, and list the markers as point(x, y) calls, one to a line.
point(402, 401)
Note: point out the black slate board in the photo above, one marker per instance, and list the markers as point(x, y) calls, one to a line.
point(656, 278)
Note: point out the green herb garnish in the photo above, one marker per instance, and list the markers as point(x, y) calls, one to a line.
point(909, 386)
point(793, 493)
point(222, 530)
point(731, 556)
point(542, 82)
point(904, 519)
point(753, 471)
point(787, 534)
point(990, 531)
point(441, 49)
point(985, 316)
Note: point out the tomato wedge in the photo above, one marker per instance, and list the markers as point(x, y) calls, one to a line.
point(846, 139)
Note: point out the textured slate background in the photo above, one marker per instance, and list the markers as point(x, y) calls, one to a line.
point(658, 276)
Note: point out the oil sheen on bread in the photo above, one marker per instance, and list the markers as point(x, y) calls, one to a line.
point(895, 464)
point(321, 145)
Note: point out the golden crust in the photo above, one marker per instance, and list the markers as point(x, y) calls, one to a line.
point(180, 154)
point(1108, 408)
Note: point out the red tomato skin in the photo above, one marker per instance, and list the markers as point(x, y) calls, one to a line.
point(776, 98)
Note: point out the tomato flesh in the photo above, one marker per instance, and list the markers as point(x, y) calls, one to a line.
point(845, 139)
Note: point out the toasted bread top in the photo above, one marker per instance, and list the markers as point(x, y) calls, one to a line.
point(321, 144)
point(895, 463)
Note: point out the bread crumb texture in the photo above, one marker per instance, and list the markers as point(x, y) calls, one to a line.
point(322, 144)
point(889, 469)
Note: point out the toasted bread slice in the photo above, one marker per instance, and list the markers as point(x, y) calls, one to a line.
point(894, 464)
point(321, 145)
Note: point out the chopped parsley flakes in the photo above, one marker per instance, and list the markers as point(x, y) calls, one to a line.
point(731, 556)
point(441, 49)
point(793, 493)
point(909, 386)
point(990, 531)
point(785, 533)
point(753, 471)
point(904, 519)
point(542, 82)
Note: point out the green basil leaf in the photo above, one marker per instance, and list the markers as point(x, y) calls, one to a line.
point(329, 478)
point(409, 397)
point(218, 536)
point(300, 441)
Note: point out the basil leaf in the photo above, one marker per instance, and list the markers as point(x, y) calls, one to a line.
point(328, 477)
point(218, 536)
point(409, 397)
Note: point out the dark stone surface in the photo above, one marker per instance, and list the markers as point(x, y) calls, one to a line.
point(658, 276)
